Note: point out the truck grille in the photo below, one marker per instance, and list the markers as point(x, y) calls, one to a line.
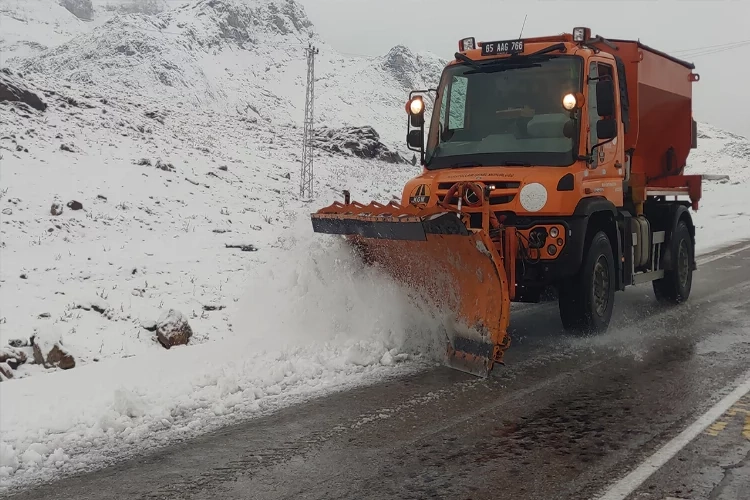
point(504, 192)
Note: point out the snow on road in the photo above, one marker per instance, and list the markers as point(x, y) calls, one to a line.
point(193, 208)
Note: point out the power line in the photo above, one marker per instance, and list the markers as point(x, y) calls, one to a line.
point(710, 49)
point(716, 51)
point(721, 45)
point(306, 177)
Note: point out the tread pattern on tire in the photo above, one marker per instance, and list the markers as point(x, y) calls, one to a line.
point(575, 300)
point(668, 289)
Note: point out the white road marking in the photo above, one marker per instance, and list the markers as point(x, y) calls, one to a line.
point(629, 483)
point(711, 258)
point(632, 481)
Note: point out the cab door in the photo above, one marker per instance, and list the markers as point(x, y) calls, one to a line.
point(606, 165)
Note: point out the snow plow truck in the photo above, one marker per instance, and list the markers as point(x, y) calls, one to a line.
point(550, 163)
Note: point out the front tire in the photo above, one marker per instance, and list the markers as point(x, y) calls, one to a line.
point(586, 300)
point(675, 286)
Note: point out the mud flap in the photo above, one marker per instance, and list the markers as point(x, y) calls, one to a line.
point(454, 269)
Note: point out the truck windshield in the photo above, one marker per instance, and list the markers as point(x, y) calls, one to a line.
point(505, 113)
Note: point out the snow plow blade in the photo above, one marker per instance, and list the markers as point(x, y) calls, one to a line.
point(431, 252)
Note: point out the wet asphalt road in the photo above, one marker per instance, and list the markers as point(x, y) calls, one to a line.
point(716, 465)
point(564, 419)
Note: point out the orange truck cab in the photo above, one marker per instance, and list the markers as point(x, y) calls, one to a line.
point(581, 143)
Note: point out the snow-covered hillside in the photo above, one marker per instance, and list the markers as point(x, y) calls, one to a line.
point(243, 57)
point(28, 27)
point(721, 154)
point(160, 182)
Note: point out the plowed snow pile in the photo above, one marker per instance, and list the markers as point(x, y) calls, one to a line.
point(311, 321)
point(160, 182)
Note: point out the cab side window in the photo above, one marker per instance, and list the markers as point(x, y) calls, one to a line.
point(457, 111)
point(593, 113)
point(597, 71)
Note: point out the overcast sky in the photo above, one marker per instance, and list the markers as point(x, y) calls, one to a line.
point(722, 97)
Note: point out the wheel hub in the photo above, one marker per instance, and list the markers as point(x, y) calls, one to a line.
point(601, 286)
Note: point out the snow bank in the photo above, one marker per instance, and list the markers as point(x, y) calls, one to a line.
point(313, 320)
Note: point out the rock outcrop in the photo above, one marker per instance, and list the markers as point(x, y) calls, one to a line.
point(13, 89)
point(363, 142)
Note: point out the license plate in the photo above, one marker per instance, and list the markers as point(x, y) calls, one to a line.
point(503, 47)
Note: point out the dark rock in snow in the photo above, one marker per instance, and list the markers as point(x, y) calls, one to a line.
point(172, 328)
point(19, 343)
point(70, 148)
point(100, 307)
point(149, 325)
point(144, 162)
point(13, 357)
point(155, 115)
point(14, 90)
point(56, 208)
point(363, 142)
point(167, 167)
point(49, 350)
point(75, 205)
point(5, 372)
point(244, 248)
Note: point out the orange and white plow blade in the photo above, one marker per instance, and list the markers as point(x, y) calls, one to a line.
point(456, 269)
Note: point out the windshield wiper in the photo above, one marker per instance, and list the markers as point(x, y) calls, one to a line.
point(516, 164)
point(493, 65)
point(515, 61)
point(547, 50)
point(466, 164)
point(471, 62)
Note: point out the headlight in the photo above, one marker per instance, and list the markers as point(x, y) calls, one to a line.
point(416, 106)
point(569, 102)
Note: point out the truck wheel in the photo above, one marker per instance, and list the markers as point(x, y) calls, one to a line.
point(676, 284)
point(586, 300)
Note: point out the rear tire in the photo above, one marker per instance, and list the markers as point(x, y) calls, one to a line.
point(675, 286)
point(587, 299)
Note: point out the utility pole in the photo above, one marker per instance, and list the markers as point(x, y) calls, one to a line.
point(306, 179)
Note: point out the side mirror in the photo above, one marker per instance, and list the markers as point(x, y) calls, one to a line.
point(605, 97)
point(415, 138)
point(606, 128)
point(569, 128)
